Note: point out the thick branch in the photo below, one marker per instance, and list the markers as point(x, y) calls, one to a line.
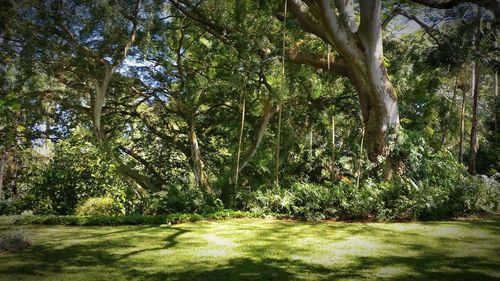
point(371, 25)
point(306, 20)
point(336, 65)
point(145, 163)
point(267, 112)
point(346, 11)
point(135, 26)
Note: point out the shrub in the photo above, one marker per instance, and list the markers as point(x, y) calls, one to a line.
point(14, 241)
point(400, 199)
point(64, 181)
point(178, 199)
point(100, 206)
point(122, 219)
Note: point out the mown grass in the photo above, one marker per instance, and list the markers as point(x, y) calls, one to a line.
point(260, 249)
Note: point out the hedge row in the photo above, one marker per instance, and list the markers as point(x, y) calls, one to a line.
point(122, 220)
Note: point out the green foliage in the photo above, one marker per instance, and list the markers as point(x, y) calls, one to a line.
point(178, 199)
point(100, 206)
point(177, 80)
point(76, 170)
point(434, 186)
point(124, 219)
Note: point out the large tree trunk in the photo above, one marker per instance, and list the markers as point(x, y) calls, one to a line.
point(377, 98)
point(379, 109)
point(361, 60)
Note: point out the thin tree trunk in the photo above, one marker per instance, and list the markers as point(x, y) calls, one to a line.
point(360, 157)
point(462, 128)
point(242, 126)
point(3, 164)
point(444, 138)
point(332, 168)
point(310, 142)
point(267, 112)
point(474, 145)
point(497, 112)
point(278, 141)
point(473, 132)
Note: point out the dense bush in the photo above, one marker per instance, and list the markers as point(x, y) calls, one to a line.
point(400, 199)
point(429, 185)
point(100, 206)
point(180, 199)
point(62, 183)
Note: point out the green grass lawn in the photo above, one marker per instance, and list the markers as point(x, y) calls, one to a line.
point(258, 249)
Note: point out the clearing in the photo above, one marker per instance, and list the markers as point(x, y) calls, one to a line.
point(261, 249)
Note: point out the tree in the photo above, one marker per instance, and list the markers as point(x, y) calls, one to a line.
point(360, 58)
point(359, 55)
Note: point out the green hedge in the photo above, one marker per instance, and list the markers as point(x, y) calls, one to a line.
point(122, 220)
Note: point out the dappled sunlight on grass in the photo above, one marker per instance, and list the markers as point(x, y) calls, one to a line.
point(394, 271)
point(256, 249)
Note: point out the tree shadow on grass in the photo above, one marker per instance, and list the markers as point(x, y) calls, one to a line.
point(114, 250)
point(45, 258)
point(364, 268)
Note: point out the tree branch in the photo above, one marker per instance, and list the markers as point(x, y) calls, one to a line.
point(391, 16)
point(294, 55)
point(429, 30)
point(216, 30)
point(145, 163)
point(492, 5)
point(89, 52)
point(135, 26)
point(306, 20)
point(346, 12)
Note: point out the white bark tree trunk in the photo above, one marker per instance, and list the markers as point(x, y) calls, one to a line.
point(199, 170)
point(361, 60)
point(99, 101)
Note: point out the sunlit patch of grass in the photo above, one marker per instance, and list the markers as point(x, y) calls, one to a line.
point(257, 249)
point(394, 271)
